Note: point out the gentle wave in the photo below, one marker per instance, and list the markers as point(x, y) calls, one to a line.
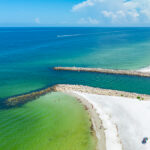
point(60, 36)
point(145, 69)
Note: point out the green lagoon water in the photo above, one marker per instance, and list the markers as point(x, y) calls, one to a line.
point(52, 122)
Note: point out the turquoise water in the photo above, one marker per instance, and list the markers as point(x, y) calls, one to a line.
point(52, 122)
point(28, 54)
point(57, 121)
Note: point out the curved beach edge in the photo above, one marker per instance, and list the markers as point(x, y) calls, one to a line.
point(144, 70)
point(96, 122)
point(100, 120)
point(23, 98)
point(106, 130)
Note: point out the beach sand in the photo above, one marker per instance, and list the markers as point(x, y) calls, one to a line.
point(130, 116)
point(97, 125)
point(146, 69)
point(120, 119)
point(124, 121)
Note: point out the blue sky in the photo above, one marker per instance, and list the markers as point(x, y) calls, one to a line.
point(74, 13)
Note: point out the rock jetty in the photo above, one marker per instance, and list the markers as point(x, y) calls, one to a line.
point(13, 101)
point(21, 99)
point(107, 71)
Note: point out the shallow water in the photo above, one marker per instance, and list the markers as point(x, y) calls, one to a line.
point(52, 122)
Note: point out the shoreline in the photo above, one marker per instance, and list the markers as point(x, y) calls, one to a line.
point(96, 122)
point(102, 124)
point(107, 71)
point(21, 99)
point(100, 91)
point(123, 118)
point(145, 69)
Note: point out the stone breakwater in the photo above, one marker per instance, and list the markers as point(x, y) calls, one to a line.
point(13, 101)
point(107, 71)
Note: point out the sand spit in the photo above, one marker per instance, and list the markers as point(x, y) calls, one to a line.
point(107, 71)
point(99, 91)
point(106, 130)
point(13, 101)
point(145, 69)
point(124, 118)
point(102, 124)
point(110, 128)
point(97, 125)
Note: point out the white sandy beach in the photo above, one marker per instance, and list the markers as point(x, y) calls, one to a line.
point(146, 69)
point(124, 119)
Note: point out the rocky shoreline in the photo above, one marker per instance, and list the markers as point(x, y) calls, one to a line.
point(21, 99)
point(99, 91)
point(107, 71)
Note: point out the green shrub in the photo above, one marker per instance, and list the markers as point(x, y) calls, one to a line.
point(138, 97)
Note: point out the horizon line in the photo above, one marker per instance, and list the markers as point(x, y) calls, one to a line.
point(75, 27)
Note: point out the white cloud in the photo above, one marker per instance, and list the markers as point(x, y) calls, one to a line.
point(37, 20)
point(109, 14)
point(93, 21)
point(82, 21)
point(134, 14)
point(88, 20)
point(86, 3)
point(123, 11)
point(114, 16)
point(83, 4)
point(146, 12)
point(131, 4)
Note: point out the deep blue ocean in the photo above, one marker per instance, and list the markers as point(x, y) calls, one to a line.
point(27, 56)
